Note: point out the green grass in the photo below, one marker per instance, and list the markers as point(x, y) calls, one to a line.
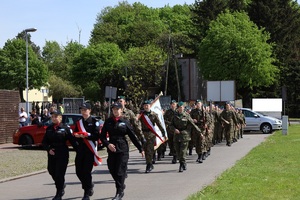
point(269, 171)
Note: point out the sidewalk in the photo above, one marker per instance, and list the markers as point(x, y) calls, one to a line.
point(164, 182)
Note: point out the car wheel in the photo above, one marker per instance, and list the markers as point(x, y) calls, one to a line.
point(26, 140)
point(266, 128)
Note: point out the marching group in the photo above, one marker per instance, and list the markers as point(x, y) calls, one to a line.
point(200, 128)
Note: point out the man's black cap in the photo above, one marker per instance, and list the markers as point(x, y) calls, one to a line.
point(56, 112)
point(116, 105)
point(85, 106)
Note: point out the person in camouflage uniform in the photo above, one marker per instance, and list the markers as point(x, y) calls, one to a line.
point(182, 125)
point(218, 126)
point(149, 135)
point(199, 117)
point(209, 132)
point(168, 117)
point(131, 117)
point(242, 121)
point(228, 120)
point(96, 109)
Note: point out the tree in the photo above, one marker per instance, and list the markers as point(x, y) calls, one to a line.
point(53, 57)
point(13, 67)
point(127, 25)
point(144, 70)
point(99, 64)
point(60, 88)
point(235, 49)
point(281, 18)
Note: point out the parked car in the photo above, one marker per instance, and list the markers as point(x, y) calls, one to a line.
point(256, 121)
point(34, 134)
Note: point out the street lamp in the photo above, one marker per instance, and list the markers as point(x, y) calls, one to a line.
point(26, 31)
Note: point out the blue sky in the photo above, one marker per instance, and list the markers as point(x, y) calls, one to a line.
point(59, 20)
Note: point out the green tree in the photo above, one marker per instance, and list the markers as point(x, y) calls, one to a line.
point(235, 49)
point(13, 67)
point(127, 25)
point(53, 57)
point(146, 65)
point(101, 64)
point(60, 88)
point(281, 18)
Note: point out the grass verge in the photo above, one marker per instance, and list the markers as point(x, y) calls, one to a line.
point(21, 161)
point(269, 171)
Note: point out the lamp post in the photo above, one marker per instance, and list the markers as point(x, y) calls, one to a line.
point(26, 32)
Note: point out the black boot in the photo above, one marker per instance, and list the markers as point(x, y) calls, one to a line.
point(59, 194)
point(149, 168)
point(203, 155)
point(159, 156)
point(191, 151)
point(184, 166)
point(119, 195)
point(163, 154)
point(154, 158)
point(181, 167)
point(174, 160)
point(86, 196)
point(208, 152)
point(199, 160)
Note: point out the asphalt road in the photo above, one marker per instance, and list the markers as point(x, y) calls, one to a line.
point(164, 182)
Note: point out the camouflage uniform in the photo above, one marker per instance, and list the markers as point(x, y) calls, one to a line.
point(130, 116)
point(184, 124)
point(168, 117)
point(200, 142)
point(209, 132)
point(150, 137)
point(228, 121)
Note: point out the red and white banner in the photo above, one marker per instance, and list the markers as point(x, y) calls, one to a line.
point(156, 107)
point(89, 143)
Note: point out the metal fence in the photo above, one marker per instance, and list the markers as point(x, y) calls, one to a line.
point(71, 105)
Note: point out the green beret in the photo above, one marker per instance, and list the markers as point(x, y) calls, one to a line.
point(173, 101)
point(198, 100)
point(180, 103)
point(147, 102)
point(121, 97)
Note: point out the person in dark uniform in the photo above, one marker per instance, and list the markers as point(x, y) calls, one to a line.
point(117, 128)
point(87, 133)
point(54, 142)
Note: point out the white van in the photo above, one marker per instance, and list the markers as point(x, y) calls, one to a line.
point(256, 121)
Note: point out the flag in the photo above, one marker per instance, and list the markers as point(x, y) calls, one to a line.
point(156, 107)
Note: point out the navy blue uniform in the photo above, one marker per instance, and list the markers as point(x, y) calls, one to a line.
point(55, 138)
point(85, 157)
point(117, 161)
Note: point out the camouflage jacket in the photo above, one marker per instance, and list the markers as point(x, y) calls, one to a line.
point(155, 121)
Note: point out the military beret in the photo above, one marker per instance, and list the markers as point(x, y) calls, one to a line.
point(147, 102)
point(121, 97)
point(198, 100)
point(180, 103)
point(173, 101)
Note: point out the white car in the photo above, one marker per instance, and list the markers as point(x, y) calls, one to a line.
point(256, 121)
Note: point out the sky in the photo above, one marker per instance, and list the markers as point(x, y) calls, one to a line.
point(59, 20)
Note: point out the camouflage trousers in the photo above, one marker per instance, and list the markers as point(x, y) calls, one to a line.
point(149, 146)
point(181, 148)
point(200, 142)
point(171, 142)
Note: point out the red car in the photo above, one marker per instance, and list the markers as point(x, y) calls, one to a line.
point(34, 134)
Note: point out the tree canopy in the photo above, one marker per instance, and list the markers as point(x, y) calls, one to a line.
point(13, 67)
point(235, 49)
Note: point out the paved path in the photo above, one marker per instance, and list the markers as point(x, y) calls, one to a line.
point(164, 182)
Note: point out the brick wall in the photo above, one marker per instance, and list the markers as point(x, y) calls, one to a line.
point(9, 109)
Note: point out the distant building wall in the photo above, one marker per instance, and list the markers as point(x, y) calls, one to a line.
point(194, 87)
point(9, 104)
